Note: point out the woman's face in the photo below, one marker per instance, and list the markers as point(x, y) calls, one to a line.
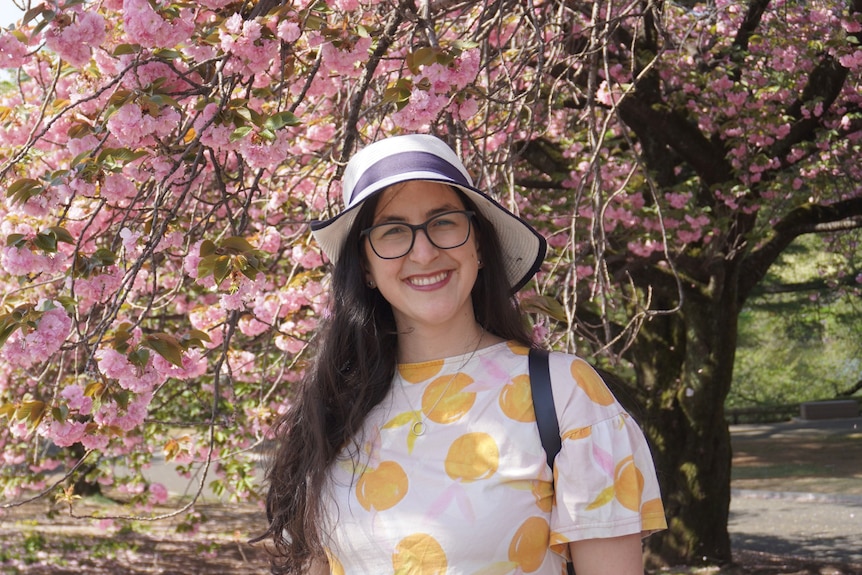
point(429, 287)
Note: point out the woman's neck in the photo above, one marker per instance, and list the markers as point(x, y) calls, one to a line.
point(423, 344)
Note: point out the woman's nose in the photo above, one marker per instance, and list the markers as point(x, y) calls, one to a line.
point(423, 250)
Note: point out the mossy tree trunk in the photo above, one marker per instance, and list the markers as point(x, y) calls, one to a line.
point(684, 362)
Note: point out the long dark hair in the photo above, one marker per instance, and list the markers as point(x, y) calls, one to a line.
point(352, 371)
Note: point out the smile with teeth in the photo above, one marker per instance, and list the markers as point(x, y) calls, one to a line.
point(428, 280)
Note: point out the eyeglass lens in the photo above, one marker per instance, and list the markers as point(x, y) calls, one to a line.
point(445, 231)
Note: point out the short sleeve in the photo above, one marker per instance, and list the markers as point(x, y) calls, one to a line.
point(605, 482)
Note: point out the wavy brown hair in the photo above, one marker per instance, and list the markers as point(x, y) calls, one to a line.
point(351, 372)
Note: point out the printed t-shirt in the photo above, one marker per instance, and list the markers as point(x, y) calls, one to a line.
point(474, 493)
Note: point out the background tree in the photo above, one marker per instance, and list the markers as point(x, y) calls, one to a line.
point(800, 334)
point(160, 161)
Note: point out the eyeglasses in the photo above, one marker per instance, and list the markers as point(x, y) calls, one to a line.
point(393, 240)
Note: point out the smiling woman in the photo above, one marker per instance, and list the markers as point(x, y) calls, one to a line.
point(416, 421)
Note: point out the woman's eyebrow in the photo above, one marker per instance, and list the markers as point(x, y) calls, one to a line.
point(429, 214)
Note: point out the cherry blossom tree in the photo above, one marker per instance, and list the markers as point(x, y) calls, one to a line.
point(160, 161)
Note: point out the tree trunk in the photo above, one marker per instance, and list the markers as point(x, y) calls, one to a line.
point(684, 362)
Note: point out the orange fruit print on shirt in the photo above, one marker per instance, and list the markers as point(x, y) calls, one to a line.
point(382, 487)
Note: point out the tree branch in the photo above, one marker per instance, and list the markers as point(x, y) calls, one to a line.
point(807, 219)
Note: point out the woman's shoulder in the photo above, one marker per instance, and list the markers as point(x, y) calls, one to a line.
point(579, 387)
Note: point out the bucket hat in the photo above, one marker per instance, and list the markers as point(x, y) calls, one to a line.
point(425, 157)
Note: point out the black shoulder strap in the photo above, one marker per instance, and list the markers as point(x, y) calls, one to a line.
point(543, 403)
point(546, 414)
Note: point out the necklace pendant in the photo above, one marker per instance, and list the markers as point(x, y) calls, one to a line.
point(418, 428)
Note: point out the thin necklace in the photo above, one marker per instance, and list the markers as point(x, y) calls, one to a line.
point(419, 426)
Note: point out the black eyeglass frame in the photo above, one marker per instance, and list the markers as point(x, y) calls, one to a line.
point(415, 228)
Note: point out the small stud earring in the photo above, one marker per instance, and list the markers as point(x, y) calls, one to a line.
point(371, 284)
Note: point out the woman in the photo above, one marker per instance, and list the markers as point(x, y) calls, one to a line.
point(412, 445)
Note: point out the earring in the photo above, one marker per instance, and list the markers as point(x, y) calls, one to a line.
point(479, 261)
point(371, 284)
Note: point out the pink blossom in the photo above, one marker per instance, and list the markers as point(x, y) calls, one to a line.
point(132, 127)
point(852, 61)
point(158, 493)
point(94, 441)
point(243, 39)
point(644, 249)
point(468, 108)
point(136, 412)
point(130, 243)
point(420, 111)
point(75, 399)
point(73, 41)
point(688, 237)
point(117, 189)
point(98, 288)
point(208, 319)
point(677, 201)
point(851, 25)
point(65, 434)
point(307, 257)
point(289, 31)
point(269, 241)
point(252, 326)
point(288, 344)
point(12, 51)
point(117, 366)
point(242, 292)
point(147, 28)
point(194, 365)
point(345, 62)
point(26, 346)
point(10, 458)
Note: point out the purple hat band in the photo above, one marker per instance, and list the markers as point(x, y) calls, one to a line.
point(403, 163)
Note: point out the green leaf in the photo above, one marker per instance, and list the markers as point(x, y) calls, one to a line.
point(60, 413)
point(125, 49)
point(237, 244)
point(33, 411)
point(120, 155)
point(281, 120)
point(207, 248)
point(545, 305)
point(122, 337)
point(24, 189)
point(240, 133)
point(421, 57)
point(61, 234)
point(7, 410)
point(8, 325)
point(119, 98)
point(462, 45)
point(46, 243)
point(221, 269)
point(139, 357)
point(166, 346)
point(103, 257)
point(95, 389)
point(169, 55)
point(206, 266)
point(79, 130)
point(198, 334)
point(16, 240)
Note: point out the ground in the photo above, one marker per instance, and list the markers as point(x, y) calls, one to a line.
point(33, 544)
